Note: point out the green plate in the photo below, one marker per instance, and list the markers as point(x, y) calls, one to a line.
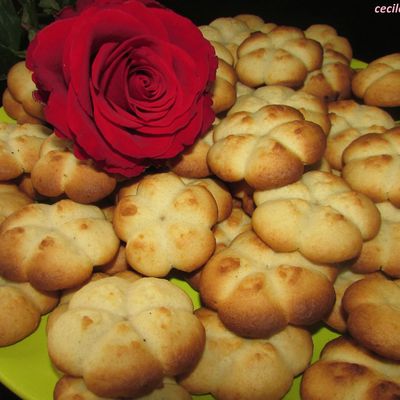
point(25, 367)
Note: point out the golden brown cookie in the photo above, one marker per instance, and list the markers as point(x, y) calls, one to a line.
point(219, 191)
point(11, 200)
point(166, 224)
point(55, 246)
point(382, 253)
point(19, 148)
point(379, 83)
point(313, 108)
point(59, 173)
point(145, 329)
point(349, 121)
point(224, 233)
point(18, 100)
point(227, 33)
point(333, 80)
point(227, 230)
point(320, 216)
point(192, 162)
point(233, 367)
point(268, 148)
point(373, 312)
point(283, 56)
point(21, 309)
point(257, 291)
point(224, 87)
point(70, 388)
point(372, 166)
point(347, 371)
point(345, 277)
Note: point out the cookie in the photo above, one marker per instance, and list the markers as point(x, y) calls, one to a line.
point(382, 252)
point(55, 246)
point(229, 32)
point(268, 148)
point(11, 200)
point(145, 329)
point(379, 83)
point(22, 307)
point(18, 99)
point(345, 277)
point(283, 56)
point(257, 291)
point(313, 108)
point(233, 367)
point(58, 173)
point(347, 371)
point(333, 80)
point(70, 388)
point(192, 162)
point(19, 148)
point(373, 312)
point(349, 121)
point(372, 166)
point(166, 224)
point(320, 216)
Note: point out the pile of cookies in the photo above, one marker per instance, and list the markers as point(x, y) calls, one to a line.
point(283, 217)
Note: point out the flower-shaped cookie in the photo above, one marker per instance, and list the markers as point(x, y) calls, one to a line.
point(373, 309)
point(219, 191)
point(227, 230)
point(257, 291)
point(320, 216)
point(283, 56)
point(216, 187)
point(55, 246)
point(345, 277)
point(224, 232)
point(347, 371)
point(234, 367)
point(224, 87)
point(351, 120)
point(19, 148)
point(313, 108)
point(18, 100)
point(58, 172)
point(192, 162)
point(372, 166)
point(333, 80)
point(227, 33)
point(166, 224)
point(383, 251)
point(267, 148)
point(21, 308)
point(11, 200)
point(70, 388)
point(132, 333)
point(379, 83)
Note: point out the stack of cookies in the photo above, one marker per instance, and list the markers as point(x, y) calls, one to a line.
point(284, 217)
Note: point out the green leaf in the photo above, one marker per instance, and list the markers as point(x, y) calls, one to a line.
point(50, 6)
point(10, 25)
point(29, 18)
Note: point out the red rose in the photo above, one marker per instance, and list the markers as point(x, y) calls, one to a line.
point(127, 81)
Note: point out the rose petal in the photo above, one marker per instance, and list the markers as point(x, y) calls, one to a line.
point(46, 65)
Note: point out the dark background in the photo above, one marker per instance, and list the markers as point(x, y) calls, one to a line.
point(371, 35)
